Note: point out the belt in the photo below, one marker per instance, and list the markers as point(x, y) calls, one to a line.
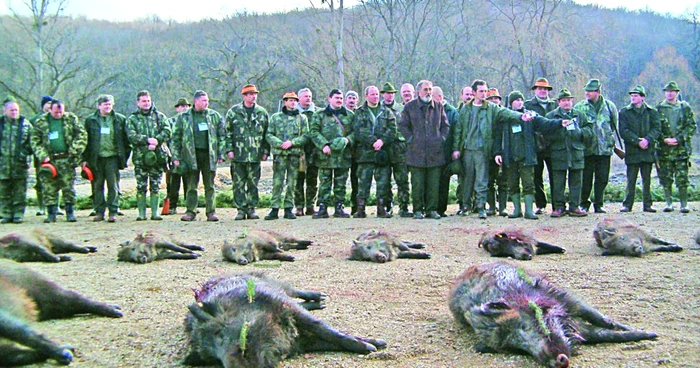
point(60, 155)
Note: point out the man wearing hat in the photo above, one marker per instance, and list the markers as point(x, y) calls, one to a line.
point(493, 96)
point(603, 114)
point(640, 128)
point(397, 157)
point(246, 126)
point(331, 131)
point(106, 153)
point(45, 107)
point(498, 174)
point(287, 135)
point(173, 179)
point(306, 197)
point(674, 146)
point(15, 153)
point(541, 104)
point(199, 143)
point(568, 147)
point(59, 138)
point(374, 127)
point(148, 130)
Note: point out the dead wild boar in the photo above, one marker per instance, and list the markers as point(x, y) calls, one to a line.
point(253, 321)
point(617, 236)
point(255, 245)
point(513, 310)
point(27, 296)
point(150, 246)
point(38, 246)
point(380, 246)
point(516, 243)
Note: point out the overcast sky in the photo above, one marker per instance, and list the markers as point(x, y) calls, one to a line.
point(189, 10)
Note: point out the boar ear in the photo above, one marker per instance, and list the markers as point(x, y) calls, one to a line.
point(355, 242)
point(199, 312)
point(494, 308)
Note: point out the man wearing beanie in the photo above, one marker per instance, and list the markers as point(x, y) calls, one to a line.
point(174, 180)
point(640, 128)
point(199, 143)
point(148, 129)
point(541, 104)
point(674, 146)
point(603, 114)
point(568, 146)
point(45, 106)
point(287, 135)
point(306, 197)
point(15, 152)
point(106, 153)
point(246, 126)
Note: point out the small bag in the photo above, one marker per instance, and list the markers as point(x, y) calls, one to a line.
point(302, 162)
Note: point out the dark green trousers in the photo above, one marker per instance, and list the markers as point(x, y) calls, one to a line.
point(558, 181)
point(13, 197)
point(107, 171)
point(425, 185)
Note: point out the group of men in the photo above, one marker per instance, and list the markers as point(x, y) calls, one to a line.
point(494, 150)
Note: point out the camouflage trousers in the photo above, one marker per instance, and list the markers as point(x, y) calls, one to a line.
point(13, 197)
point(335, 179)
point(403, 193)
point(64, 182)
point(284, 178)
point(310, 178)
point(381, 175)
point(245, 176)
point(148, 177)
point(669, 168)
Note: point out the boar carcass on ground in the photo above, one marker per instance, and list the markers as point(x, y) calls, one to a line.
point(513, 310)
point(255, 245)
point(621, 237)
point(26, 296)
point(380, 246)
point(516, 243)
point(150, 246)
point(251, 321)
point(38, 246)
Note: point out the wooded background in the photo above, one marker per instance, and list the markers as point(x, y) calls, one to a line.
point(508, 43)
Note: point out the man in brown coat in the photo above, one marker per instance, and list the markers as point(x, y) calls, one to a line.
point(424, 125)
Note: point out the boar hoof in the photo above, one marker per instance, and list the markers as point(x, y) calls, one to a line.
point(64, 258)
point(91, 249)
point(66, 355)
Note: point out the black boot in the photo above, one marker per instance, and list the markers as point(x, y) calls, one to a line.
point(404, 212)
point(339, 211)
point(70, 213)
point(51, 216)
point(322, 212)
point(381, 209)
point(289, 214)
point(360, 210)
point(274, 214)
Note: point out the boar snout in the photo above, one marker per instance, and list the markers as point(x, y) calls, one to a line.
point(242, 261)
point(380, 258)
point(562, 361)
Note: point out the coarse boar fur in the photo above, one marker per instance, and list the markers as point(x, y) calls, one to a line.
point(516, 243)
point(151, 246)
point(38, 246)
point(511, 309)
point(617, 236)
point(380, 246)
point(27, 296)
point(254, 245)
point(252, 321)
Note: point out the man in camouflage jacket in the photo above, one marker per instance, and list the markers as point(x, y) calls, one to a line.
point(59, 138)
point(306, 197)
point(397, 157)
point(15, 153)
point(331, 130)
point(198, 144)
point(148, 131)
point(674, 146)
point(287, 137)
point(246, 125)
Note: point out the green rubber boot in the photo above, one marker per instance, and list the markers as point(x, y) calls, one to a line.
point(517, 212)
point(529, 202)
point(155, 201)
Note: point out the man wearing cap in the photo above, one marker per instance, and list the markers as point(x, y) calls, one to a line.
point(287, 135)
point(674, 146)
point(59, 139)
point(640, 127)
point(199, 143)
point(424, 125)
point(568, 146)
point(541, 104)
point(351, 100)
point(15, 153)
point(106, 153)
point(493, 96)
point(331, 131)
point(306, 197)
point(45, 107)
point(397, 158)
point(374, 127)
point(498, 174)
point(408, 93)
point(452, 167)
point(603, 114)
point(148, 130)
point(172, 178)
point(246, 125)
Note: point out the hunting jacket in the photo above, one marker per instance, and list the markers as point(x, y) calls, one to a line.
point(569, 146)
point(121, 139)
point(246, 137)
point(15, 148)
point(369, 128)
point(685, 129)
point(324, 129)
point(425, 128)
point(73, 131)
point(636, 124)
point(290, 126)
point(140, 126)
point(183, 149)
point(605, 122)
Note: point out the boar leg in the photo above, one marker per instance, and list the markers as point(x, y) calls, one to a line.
point(667, 248)
point(579, 308)
point(413, 255)
point(307, 295)
point(313, 305)
point(56, 302)
point(171, 255)
point(546, 248)
point(316, 335)
point(280, 256)
point(61, 246)
point(32, 252)
point(17, 331)
point(173, 247)
point(192, 246)
point(655, 240)
point(412, 245)
point(594, 335)
point(288, 246)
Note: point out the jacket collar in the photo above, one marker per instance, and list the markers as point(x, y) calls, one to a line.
point(329, 111)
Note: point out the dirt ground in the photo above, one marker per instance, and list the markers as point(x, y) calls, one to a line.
point(403, 302)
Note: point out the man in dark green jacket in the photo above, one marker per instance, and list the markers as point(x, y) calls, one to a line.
point(306, 197)
point(640, 128)
point(15, 153)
